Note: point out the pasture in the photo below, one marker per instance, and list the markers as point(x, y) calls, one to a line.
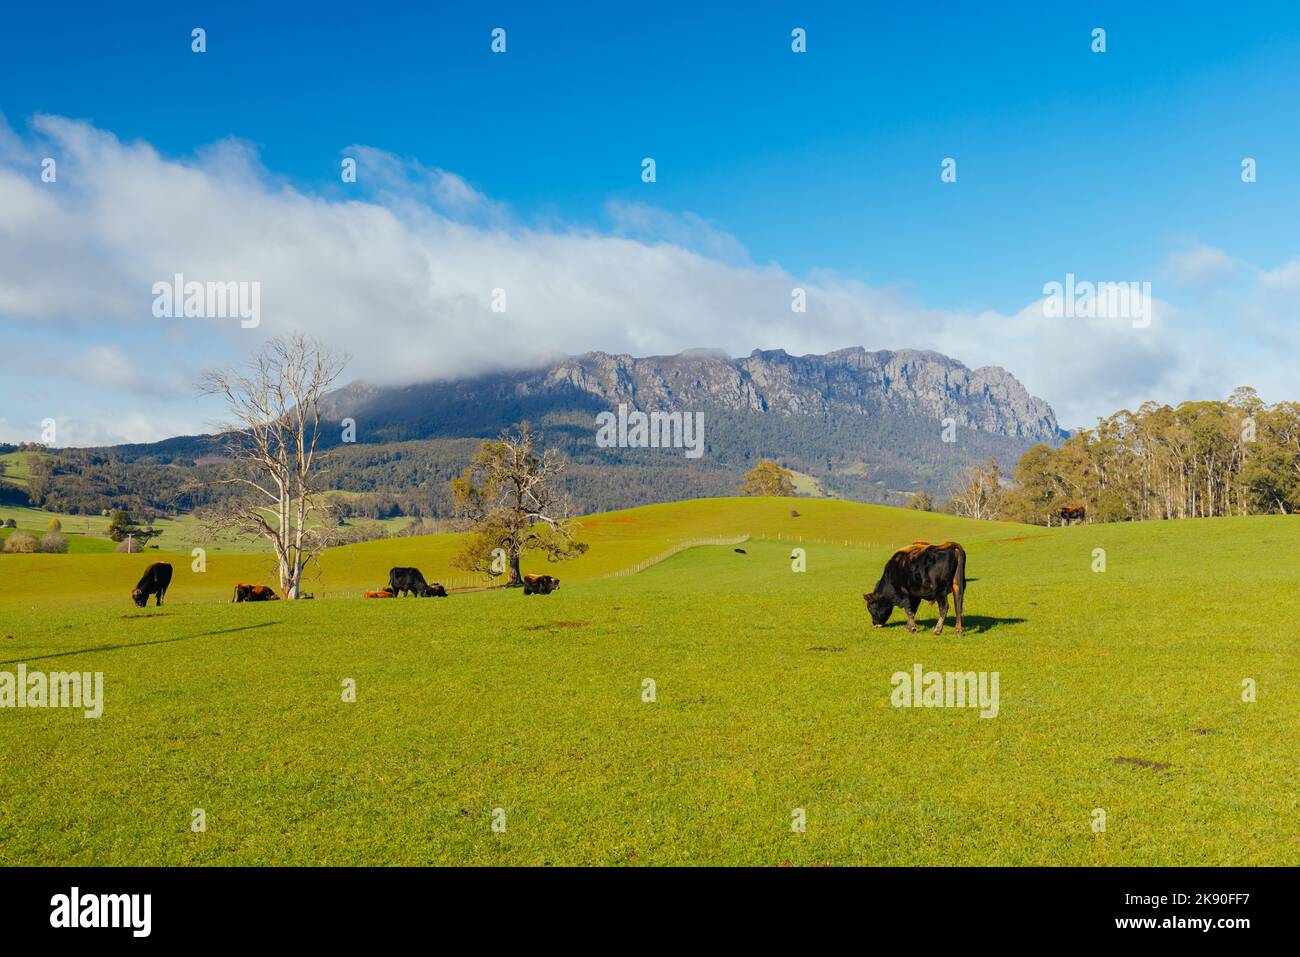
point(1119, 690)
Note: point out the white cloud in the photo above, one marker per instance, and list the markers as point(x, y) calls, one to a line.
point(650, 224)
point(1198, 265)
point(401, 273)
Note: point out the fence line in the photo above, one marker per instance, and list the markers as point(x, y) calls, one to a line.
point(806, 540)
point(676, 549)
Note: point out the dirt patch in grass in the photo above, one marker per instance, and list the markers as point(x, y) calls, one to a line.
point(1142, 763)
point(557, 624)
point(825, 648)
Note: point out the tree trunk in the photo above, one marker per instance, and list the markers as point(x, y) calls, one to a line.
point(515, 577)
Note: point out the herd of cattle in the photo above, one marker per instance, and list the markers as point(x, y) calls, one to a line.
point(920, 572)
point(401, 581)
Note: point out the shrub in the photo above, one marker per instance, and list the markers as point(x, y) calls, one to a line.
point(920, 501)
point(54, 543)
point(10, 523)
point(23, 543)
point(131, 545)
point(54, 525)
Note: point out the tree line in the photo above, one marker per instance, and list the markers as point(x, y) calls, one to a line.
point(1239, 456)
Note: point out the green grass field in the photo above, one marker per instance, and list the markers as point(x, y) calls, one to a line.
point(88, 534)
point(1119, 690)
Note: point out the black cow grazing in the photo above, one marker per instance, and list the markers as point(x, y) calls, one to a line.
point(436, 591)
point(920, 572)
point(1072, 513)
point(540, 584)
point(412, 580)
point(155, 581)
point(255, 593)
point(740, 551)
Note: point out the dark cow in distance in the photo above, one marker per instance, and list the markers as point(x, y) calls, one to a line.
point(920, 572)
point(1072, 513)
point(254, 593)
point(540, 584)
point(411, 580)
point(155, 581)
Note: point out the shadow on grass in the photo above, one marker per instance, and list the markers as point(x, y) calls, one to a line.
point(971, 624)
point(136, 644)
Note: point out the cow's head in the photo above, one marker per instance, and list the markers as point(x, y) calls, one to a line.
point(140, 598)
point(880, 609)
point(555, 584)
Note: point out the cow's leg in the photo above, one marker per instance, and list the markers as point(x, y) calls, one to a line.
point(942, 602)
point(158, 601)
point(909, 608)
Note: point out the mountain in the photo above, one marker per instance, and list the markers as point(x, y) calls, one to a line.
point(867, 425)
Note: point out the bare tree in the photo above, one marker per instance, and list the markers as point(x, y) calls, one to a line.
point(978, 492)
point(510, 495)
point(270, 437)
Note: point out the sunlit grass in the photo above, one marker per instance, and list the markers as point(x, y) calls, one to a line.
point(772, 694)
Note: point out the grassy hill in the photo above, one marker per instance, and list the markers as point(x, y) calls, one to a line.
point(619, 541)
point(18, 466)
point(1120, 690)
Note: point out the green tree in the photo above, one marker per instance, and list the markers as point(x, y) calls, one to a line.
point(767, 478)
point(120, 527)
point(511, 496)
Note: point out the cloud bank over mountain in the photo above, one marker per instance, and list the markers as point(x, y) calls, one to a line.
point(402, 269)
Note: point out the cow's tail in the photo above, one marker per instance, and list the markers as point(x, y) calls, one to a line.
point(961, 570)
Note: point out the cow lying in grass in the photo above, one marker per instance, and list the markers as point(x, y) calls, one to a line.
point(920, 572)
point(382, 593)
point(155, 581)
point(254, 593)
point(540, 584)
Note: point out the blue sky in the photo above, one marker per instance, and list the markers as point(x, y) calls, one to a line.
point(822, 167)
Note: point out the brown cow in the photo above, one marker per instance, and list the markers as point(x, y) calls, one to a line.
point(1072, 513)
point(154, 582)
point(540, 584)
point(382, 593)
point(254, 593)
point(920, 572)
